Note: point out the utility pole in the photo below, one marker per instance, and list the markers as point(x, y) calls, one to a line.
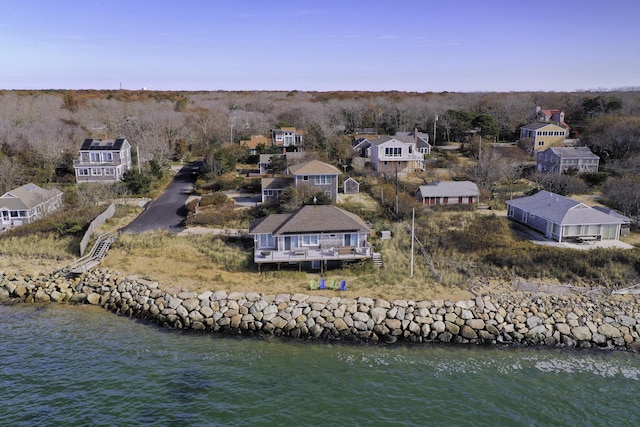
point(396, 188)
point(413, 231)
point(435, 121)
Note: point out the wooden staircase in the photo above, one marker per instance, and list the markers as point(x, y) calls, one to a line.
point(377, 259)
point(94, 257)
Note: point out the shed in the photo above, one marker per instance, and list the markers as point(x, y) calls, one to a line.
point(350, 186)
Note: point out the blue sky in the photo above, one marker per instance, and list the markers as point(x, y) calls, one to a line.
point(421, 45)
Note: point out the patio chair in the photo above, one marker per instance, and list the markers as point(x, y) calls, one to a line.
point(343, 285)
point(333, 284)
point(323, 284)
point(313, 285)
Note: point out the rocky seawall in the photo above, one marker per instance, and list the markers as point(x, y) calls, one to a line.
point(516, 319)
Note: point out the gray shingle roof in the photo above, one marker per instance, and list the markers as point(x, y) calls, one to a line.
point(573, 152)
point(310, 219)
point(562, 210)
point(27, 197)
point(276, 183)
point(449, 189)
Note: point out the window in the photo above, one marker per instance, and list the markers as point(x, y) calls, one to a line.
point(540, 143)
point(393, 151)
point(96, 172)
point(108, 157)
point(322, 179)
point(310, 240)
point(95, 157)
point(83, 172)
point(305, 178)
point(267, 241)
point(109, 171)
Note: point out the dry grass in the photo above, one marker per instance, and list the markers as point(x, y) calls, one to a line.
point(205, 262)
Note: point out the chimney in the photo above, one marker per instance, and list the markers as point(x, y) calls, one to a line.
point(415, 136)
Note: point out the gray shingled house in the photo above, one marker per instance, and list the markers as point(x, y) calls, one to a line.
point(311, 237)
point(317, 175)
point(562, 159)
point(103, 160)
point(26, 204)
point(561, 218)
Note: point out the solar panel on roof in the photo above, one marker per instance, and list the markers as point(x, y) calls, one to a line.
point(30, 187)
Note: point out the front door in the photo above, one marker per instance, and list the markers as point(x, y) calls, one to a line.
point(287, 243)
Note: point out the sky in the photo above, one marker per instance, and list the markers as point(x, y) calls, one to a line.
point(329, 45)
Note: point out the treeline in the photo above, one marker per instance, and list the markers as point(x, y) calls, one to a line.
point(41, 131)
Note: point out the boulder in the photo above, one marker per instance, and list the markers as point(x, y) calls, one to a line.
point(581, 333)
point(93, 298)
point(609, 331)
point(467, 332)
point(476, 324)
point(191, 303)
point(378, 314)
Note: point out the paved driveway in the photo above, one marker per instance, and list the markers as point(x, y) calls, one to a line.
point(168, 211)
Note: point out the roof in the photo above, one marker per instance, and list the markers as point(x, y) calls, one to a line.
point(27, 197)
point(420, 139)
point(310, 219)
point(383, 139)
point(103, 144)
point(573, 152)
point(255, 141)
point(265, 158)
point(361, 143)
point(449, 189)
point(313, 167)
point(562, 210)
point(612, 212)
point(276, 183)
point(540, 125)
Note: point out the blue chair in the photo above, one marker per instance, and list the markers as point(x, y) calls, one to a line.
point(343, 285)
point(323, 284)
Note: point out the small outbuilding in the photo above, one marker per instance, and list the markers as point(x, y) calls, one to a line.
point(350, 186)
point(448, 193)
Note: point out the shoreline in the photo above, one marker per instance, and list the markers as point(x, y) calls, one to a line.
point(516, 319)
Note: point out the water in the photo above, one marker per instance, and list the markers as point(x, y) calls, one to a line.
point(64, 366)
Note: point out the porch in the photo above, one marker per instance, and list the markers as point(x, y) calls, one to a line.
point(311, 254)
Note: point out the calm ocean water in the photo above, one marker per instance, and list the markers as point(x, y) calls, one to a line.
point(67, 366)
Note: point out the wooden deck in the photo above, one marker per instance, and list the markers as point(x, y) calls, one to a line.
point(262, 256)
